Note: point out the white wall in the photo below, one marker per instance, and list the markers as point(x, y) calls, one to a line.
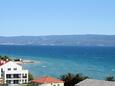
point(12, 66)
point(50, 84)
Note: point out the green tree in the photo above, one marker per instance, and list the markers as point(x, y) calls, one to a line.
point(110, 78)
point(72, 79)
point(29, 84)
point(6, 58)
point(30, 77)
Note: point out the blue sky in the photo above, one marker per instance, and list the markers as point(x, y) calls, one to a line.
point(55, 17)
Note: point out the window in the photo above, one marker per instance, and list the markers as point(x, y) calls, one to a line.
point(15, 68)
point(8, 81)
point(1, 69)
point(24, 75)
point(2, 75)
point(16, 75)
point(16, 82)
point(8, 75)
point(25, 81)
point(9, 68)
point(58, 85)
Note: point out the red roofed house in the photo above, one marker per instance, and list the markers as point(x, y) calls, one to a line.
point(47, 81)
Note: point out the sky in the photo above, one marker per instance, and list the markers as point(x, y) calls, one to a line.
point(56, 17)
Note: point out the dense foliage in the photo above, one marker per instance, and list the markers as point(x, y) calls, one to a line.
point(72, 79)
point(30, 77)
point(6, 58)
point(110, 78)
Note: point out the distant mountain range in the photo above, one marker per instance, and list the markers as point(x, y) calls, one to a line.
point(60, 40)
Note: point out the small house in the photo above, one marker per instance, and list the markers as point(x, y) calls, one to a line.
point(47, 81)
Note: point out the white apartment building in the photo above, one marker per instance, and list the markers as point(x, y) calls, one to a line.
point(12, 73)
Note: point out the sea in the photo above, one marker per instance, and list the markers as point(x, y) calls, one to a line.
point(96, 62)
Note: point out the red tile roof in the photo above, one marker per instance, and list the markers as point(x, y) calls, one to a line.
point(47, 79)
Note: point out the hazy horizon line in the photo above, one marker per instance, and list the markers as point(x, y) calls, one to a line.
point(55, 35)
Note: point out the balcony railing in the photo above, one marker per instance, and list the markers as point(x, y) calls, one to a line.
point(13, 76)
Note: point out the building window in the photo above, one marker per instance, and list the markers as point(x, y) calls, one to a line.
point(15, 68)
point(1, 69)
point(9, 68)
point(24, 75)
point(25, 81)
point(8, 81)
point(2, 75)
point(58, 85)
point(8, 75)
point(16, 75)
point(22, 81)
point(16, 82)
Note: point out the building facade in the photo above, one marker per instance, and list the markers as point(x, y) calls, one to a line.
point(12, 73)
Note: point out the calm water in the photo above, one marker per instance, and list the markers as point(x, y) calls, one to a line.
point(95, 62)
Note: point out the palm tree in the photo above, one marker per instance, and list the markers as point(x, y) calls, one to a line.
point(72, 79)
point(110, 78)
point(78, 78)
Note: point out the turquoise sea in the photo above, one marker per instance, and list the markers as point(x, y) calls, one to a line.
point(95, 62)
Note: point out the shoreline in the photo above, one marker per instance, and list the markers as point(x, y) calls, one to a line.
point(27, 62)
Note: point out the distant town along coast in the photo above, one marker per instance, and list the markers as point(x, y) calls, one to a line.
point(17, 60)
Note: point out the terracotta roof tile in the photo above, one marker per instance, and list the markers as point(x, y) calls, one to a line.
point(47, 79)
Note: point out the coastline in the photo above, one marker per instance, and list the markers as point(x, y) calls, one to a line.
point(55, 61)
point(27, 62)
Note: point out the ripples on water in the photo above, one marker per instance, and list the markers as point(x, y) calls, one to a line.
point(96, 62)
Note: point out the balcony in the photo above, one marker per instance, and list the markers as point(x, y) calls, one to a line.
point(13, 76)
